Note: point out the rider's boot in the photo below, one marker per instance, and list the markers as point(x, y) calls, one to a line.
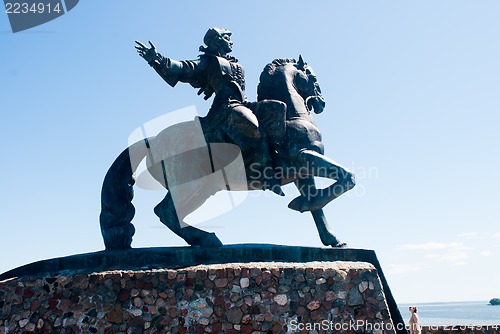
point(275, 160)
point(273, 183)
point(271, 115)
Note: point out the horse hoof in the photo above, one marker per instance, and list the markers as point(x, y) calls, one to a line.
point(336, 244)
point(212, 241)
point(298, 204)
point(333, 242)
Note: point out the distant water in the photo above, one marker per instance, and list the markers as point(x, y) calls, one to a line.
point(456, 313)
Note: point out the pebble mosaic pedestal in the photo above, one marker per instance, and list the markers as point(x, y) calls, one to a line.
point(290, 289)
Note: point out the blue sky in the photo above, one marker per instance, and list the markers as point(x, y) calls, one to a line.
point(412, 92)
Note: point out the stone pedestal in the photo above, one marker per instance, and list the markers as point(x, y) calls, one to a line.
point(304, 296)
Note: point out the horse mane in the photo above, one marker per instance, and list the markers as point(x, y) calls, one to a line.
point(265, 81)
point(271, 67)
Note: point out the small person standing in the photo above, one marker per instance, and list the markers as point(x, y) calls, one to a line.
point(414, 326)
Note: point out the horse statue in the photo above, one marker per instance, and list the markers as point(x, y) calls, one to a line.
point(287, 87)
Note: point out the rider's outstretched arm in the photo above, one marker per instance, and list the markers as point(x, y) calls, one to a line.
point(172, 71)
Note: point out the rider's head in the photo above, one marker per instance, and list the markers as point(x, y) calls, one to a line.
point(218, 41)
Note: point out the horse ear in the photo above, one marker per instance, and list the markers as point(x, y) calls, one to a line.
point(301, 63)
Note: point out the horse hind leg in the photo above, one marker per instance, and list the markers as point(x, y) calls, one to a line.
point(167, 213)
point(316, 164)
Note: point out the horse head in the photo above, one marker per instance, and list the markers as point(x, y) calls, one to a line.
point(292, 82)
point(307, 86)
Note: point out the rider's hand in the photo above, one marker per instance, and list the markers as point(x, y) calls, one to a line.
point(149, 54)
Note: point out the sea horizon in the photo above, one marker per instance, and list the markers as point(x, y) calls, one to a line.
point(454, 313)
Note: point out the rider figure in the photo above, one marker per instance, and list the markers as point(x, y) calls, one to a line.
point(217, 72)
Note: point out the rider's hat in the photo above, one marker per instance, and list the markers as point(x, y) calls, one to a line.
point(214, 32)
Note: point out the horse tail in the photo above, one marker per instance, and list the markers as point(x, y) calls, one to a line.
point(117, 193)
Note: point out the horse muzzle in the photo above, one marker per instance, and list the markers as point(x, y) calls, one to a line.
point(316, 103)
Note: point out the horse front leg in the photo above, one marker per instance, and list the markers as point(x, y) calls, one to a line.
point(313, 163)
point(306, 186)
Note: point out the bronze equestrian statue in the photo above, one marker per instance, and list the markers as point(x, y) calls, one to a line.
point(276, 136)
